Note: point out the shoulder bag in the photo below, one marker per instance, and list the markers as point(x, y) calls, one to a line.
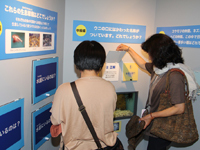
point(177, 128)
point(117, 146)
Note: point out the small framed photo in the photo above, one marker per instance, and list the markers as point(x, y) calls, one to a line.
point(117, 126)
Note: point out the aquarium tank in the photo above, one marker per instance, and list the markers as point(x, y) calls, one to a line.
point(126, 105)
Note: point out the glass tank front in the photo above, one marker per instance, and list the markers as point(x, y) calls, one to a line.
point(126, 105)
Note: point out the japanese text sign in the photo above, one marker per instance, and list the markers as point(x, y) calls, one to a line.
point(130, 72)
point(41, 125)
point(45, 78)
point(12, 125)
point(183, 36)
point(108, 32)
point(111, 72)
point(26, 30)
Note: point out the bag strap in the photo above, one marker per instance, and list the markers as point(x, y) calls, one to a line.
point(84, 114)
point(167, 81)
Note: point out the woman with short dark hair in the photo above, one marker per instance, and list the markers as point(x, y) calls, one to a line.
point(164, 55)
point(89, 55)
point(98, 97)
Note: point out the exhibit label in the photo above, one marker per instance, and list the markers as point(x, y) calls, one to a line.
point(111, 72)
point(130, 72)
point(108, 32)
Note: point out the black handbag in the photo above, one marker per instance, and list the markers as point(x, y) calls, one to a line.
point(117, 146)
point(177, 128)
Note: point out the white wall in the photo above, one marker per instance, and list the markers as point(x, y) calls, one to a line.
point(16, 73)
point(182, 13)
point(136, 12)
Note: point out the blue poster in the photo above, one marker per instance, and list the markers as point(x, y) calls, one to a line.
point(26, 30)
point(41, 125)
point(48, 71)
point(183, 36)
point(108, 32)
point(45, 78)
point(12, 125)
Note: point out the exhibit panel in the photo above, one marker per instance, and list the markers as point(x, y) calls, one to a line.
point(29, 31)
point(12, 125)
point(45, 78)
point(126, 107)
point(127, 100)
point(41, 124)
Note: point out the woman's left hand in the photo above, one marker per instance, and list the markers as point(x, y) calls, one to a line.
point(147, 120)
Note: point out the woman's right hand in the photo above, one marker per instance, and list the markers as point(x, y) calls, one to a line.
point(147, 120)
point(139, 60)
point(122, 47)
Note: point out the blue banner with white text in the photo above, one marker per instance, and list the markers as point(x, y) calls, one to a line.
point(183, 36)
point(108, 32)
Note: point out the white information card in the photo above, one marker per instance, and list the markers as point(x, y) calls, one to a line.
point(112, 65)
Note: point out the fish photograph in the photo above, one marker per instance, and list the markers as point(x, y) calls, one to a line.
point(17, 40)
